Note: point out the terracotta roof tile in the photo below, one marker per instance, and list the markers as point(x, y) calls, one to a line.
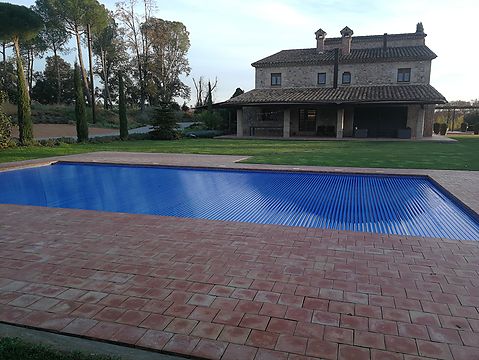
point(340, 95)
point(312, 57)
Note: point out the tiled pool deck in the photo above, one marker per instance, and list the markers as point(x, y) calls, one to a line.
point(231, 290)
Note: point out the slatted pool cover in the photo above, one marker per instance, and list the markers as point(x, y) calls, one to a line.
point(380, 204)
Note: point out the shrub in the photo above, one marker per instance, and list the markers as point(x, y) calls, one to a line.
point(211, 119)
point(164, 123)
point(5, 126)
point(464, 127)
point(476, 128)
point(443, 129)
point(436, 128)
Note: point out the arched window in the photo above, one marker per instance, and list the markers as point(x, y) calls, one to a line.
point(346, 77)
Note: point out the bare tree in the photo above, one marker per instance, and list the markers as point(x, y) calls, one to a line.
point(202, 88)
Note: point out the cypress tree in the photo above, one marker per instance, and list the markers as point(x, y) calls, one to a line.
point(122, 109)
point(18, 24)
point(80, 115)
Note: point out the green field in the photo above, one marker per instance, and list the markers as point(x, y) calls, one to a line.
point(460, 155)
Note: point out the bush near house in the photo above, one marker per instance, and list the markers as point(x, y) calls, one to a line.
point(164, 123)
point(436, 127)
point(443, 129)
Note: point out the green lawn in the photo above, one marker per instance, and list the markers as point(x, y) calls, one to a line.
point(461, 155)
point(17, 349)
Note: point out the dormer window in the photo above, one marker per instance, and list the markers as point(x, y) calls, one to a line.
point(404, 75)
point(346, 79)
point(321, 78)
point(276, 79)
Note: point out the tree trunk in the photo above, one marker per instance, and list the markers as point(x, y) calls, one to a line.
point(106, 90)
point(30, 80)
point(25, 126)
point(90, 60)
point(57, 71)
point(86, 87)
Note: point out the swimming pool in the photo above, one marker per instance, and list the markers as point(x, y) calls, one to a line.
point(369, 203)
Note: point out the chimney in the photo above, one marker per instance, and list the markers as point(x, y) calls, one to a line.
point(419, 28)
point(385, 42)
point(320, 37)
point(346, 34)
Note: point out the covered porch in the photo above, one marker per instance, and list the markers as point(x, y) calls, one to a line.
point(392, 111)
point(333, 121)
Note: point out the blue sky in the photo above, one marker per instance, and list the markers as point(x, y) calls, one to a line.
point(227, 36)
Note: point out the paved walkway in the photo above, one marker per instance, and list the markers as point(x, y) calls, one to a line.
point(227, 290)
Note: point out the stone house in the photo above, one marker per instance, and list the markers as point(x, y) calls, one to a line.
point(349, 86)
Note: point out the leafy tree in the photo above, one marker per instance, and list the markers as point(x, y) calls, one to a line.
point(30, 50)
point(237, 92)
point(55, 36)
point(20, 24)
point(169, 41)
point(5, 125)
point(112, 58)
point(45, 89)
point(8, 80)
point(164, 123)
point(75, 16)
point(80, 116)
point(122, 109)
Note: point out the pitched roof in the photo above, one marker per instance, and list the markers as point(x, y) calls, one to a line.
point(346, 94)
point(312, 57)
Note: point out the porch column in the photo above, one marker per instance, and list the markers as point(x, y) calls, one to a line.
point(420, 123)
point(340, 124)
point(286, 123)
point(239, 122)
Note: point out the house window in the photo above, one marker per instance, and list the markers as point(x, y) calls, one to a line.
point(276, 79)
point(346, 77)
point(321, 78)
point(404, 75)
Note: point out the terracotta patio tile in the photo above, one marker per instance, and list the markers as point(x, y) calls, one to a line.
point(353, 353)
point(181, 344)
point(267, 297)
point(273, 310)
point(221, 290)
point(207, 330)
point(44, 304)
point(203, 314)
point(129, 334)
point(385, 355)
point(316, 304)
point(233, 334)
point(383, 326)
point(238, 282)
point(79, 326)
point(299, 314)
point(224, 303)
point(134, 303)
point(322, 349)
point(87, 310)
point(24, 300)
point(291, 300)
point(464, 352)
point(239, 352)
point(71, 294)
point(156, 322)
point(65, 307)
point(325, 318)
point(113, 300)
point(250, 307)
point(433, 350)
point(264, 354)
point(282, 326)
point(449, 336)
point(104, 330)
point(262, 339)
point(154, 339)
point(413, 331)
point(228, 317)
point(400, 344)
point(210, 349)
point(181, 326)
point(368, 311)
point(133, 317)
point(369, 339)
point(157, 306)
point(258, 322)
point(92, 297)
point(201, 300)
point(293, 344)
point(109, 314)
point(180, 310)
point(309, 330)
point(335, 334)
point(244, 294)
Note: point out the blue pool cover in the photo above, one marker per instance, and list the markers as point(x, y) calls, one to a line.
point(380, 204)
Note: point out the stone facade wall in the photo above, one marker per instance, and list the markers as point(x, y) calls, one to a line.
point(362, 74)
point(428, 120)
